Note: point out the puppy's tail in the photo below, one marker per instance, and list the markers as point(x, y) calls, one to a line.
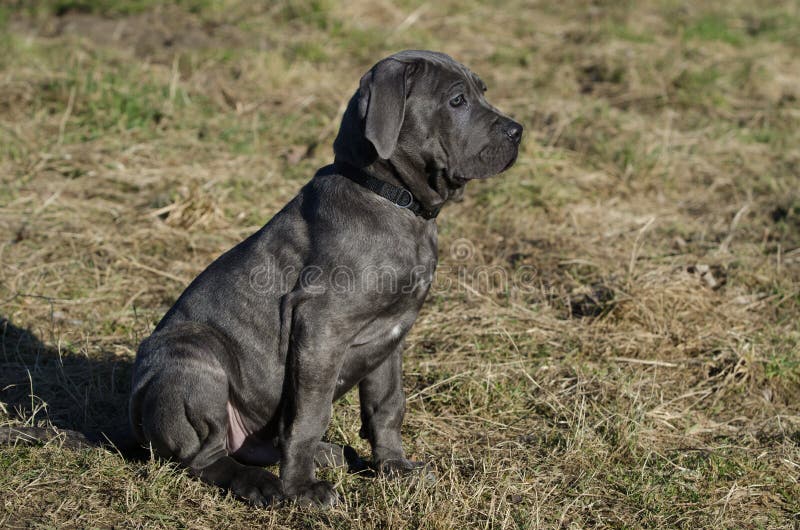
point(121, 441)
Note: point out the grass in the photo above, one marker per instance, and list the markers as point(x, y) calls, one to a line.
point(714, 27)
point(646, 372)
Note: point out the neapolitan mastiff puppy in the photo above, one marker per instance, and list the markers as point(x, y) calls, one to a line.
point(242, 370)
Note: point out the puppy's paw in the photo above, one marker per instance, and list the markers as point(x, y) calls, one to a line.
point(257, 487)
point(402, 467)
point(319, 493)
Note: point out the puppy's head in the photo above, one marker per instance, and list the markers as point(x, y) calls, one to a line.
point(424, 111)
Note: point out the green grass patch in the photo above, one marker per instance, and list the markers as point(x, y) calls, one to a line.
point(511, 57)
point(714, 27)
point(773, 24)
point(307, 51)
point(315, 13)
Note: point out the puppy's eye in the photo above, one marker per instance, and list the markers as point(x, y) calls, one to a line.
point(457, 101)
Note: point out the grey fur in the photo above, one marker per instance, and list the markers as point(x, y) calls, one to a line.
point(266, 338)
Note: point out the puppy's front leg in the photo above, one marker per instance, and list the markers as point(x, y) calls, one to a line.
point(314, 360)
point(383, 405)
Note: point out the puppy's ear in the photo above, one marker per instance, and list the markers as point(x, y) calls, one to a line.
point(382, 104)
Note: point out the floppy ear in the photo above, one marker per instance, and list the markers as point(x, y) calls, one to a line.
point(382, 104)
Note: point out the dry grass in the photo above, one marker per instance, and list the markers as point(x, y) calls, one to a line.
point(650, 379)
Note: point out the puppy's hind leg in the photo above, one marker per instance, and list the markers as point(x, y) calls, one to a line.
point(180, 409)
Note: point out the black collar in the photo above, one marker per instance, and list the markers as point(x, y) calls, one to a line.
point(400, 196)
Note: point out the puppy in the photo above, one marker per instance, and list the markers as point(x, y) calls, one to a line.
point(242, 370)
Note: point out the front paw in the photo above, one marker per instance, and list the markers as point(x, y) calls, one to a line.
point(402, 467)
point(257, 487)
point(319, 493)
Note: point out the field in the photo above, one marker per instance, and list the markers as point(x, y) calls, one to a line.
point(613, 339)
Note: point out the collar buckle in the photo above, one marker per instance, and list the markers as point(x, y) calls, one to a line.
point(405, 200)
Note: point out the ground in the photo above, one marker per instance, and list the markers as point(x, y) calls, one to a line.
point(613, 337)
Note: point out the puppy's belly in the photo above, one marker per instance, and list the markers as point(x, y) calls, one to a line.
point(244, 445)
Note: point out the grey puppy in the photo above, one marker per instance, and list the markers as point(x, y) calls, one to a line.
point(242, 370)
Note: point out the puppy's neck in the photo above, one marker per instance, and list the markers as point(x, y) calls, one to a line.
point(428, 185)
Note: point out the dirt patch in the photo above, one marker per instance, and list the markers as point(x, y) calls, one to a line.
point(157, 35)
point(597, 301)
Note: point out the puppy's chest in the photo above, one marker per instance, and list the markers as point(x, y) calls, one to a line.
point(401, 291)
point(404, 267)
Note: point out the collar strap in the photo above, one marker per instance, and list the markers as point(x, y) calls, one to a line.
point(398, 195)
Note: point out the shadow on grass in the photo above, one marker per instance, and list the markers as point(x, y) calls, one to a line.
point(84, 399)
point(81, 400)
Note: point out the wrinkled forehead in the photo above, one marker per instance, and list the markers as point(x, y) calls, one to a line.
point(441, 70)
point(456, 74)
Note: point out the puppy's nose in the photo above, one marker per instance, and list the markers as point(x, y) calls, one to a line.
point(514, 132)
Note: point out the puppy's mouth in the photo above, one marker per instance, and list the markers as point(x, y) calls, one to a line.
point(510, 162)
point(492, 164)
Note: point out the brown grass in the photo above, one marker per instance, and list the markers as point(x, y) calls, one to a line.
point(648, 379)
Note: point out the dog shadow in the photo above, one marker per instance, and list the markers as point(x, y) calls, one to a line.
point(83, 398)
point(68, 391)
